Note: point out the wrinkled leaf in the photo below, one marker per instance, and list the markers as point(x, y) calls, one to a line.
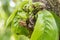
point(11, 17)
point(18, 30)
point(45, 28)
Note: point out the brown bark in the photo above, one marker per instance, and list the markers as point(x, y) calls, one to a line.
point(53, 5)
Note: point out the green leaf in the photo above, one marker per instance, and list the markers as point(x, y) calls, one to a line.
point(57, 19)
point(20, 37)
point(11, 17)
point(18, 30)
point(21, 5)
point(22, 15)
point(45, 27)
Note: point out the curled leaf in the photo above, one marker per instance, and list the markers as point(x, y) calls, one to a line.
point(45, 28)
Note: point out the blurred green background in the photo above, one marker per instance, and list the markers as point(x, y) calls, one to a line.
point(6, 8)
